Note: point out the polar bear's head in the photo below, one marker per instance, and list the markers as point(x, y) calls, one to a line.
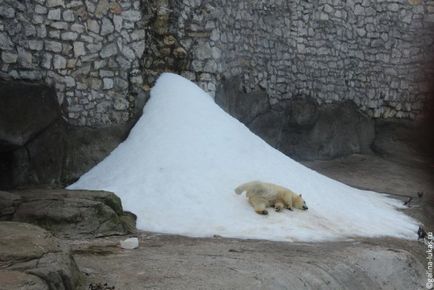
point(298, 202)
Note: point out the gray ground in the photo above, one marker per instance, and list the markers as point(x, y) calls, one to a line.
point(173, 262)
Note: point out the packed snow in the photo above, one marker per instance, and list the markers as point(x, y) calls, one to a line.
point(179, 166)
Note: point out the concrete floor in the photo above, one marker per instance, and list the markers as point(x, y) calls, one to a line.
point(173, 262)
point(402, 179)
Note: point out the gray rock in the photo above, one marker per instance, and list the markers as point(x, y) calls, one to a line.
point(54, 14)
point(31, 250)
point(404, 140)
point(69, 81)
point(68, 15)
point(15, 280)
point(106, 73)
point(8, 205)
point(243, 106)
point(32, 75)
point(24, 57)
point(9, 57)
point(128, 53)
point(393, 7)
point(93, 48)
point(120, 104)
point(102, 8)
point(66, 213)
point(5, 41)
point(95, 83)
point(109, 50)
point(107, 26)
point(300, 128)
point(46, 60)
point(36, 44)
point(42, 31)
point(21, 241)
point(40, 9)
point(138, 35)
point(53, 46)
point(131, 15)
point(359, 10)
point(60, 154)
point(79, 49)
point(338, 130)
point(69, 36)
point(203, 52)
point(93, 26)
point(86, 147)
point(59, 62)
point(138, 47)
point(117, 20)
point(90, 6)
point(7, 12)
point(59, 25)
point(79, 28)
point(124, 63)
point(55, 3)
point(54, 34)
point(121, 84)
point(269, 126)
point(108, 83)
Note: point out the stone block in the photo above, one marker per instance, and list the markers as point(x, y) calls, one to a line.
point(53, 14)
point(9, 57)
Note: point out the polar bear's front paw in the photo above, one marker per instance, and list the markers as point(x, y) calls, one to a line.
point(263, 212)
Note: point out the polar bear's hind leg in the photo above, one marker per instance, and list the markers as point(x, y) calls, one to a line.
point(259, 204)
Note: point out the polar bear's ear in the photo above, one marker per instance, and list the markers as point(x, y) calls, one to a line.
point(300, 195)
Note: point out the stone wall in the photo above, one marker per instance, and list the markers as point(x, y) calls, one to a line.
point(88, 50)
point(375, 53)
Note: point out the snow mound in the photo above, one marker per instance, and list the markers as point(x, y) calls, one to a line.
point(179, 166)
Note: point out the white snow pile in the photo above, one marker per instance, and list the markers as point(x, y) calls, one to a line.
point(179, 166)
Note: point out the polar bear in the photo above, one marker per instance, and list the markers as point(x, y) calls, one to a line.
point(262, 195)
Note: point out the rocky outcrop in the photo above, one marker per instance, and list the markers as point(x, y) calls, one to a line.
point(37, 146)
point(68, 213)
point(405, 141)
point(301, 128)
point(333, 130)
point(31, 258)
point(62, 153)
point(15, 280)
point(27, 108)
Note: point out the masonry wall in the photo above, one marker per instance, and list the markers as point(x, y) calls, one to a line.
point(102, 56)
point(377, 53)
point(88, 50)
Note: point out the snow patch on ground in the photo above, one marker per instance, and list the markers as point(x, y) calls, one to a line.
point(179, 166)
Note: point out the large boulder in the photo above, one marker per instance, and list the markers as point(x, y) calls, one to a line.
point(68, 213)
point(300, 127)
point(405, 140)
point(27, 108)
point(37, 147)
point(242, 105)
point(33, 259)
point(86, 147)
point(15, 280)
point(338, 130)
point(59, 155)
